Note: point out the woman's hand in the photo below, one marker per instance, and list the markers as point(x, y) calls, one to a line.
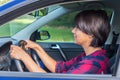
point(17, 53)
point(31, 44)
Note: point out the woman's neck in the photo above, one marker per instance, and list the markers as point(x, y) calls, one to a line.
point(89, 50)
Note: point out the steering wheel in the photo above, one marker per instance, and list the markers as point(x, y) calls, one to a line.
point(31, 52)
point(5, 60)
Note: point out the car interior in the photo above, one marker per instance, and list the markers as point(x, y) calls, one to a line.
point(63, 51)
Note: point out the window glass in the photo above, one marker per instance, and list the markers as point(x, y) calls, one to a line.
point(15, 25)
point(4, 1)
point(60, 28)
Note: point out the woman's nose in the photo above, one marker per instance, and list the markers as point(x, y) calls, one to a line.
point(73, 30)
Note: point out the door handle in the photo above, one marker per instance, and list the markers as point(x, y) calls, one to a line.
point(56, 46)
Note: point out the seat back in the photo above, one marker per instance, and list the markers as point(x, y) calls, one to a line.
point(114, 67)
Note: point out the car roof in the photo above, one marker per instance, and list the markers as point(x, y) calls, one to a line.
point(20, 7)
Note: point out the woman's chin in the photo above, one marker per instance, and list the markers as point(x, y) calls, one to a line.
point(75, 42)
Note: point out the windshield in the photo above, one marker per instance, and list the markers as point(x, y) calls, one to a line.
point(16, 25)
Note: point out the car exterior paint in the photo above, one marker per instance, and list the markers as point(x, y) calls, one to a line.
point(16, 5)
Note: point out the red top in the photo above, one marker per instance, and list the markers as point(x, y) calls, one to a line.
point(95, 63)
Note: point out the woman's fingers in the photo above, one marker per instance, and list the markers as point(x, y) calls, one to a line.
point(30, 44)
point(16, 52)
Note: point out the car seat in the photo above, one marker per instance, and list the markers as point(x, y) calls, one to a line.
point(115, 62)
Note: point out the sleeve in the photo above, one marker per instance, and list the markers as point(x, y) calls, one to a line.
point(84, 69)
point(63, 67)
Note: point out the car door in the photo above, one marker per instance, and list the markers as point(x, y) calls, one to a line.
point(61, 44)
point(62, 51)
point(53, 48)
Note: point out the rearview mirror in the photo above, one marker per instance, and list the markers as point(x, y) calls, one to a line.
point(39, 13)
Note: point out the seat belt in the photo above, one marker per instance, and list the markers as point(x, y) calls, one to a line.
point(114, 53)
point(112, 48)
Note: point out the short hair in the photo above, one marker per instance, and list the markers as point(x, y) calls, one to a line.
point(94, 23)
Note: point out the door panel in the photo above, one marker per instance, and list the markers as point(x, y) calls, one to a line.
point(69, 50)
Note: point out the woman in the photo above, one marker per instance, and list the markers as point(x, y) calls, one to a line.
point(91, 31)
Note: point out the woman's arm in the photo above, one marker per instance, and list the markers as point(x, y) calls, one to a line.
point(49, 62)
point(31, 65)
point(18, 53)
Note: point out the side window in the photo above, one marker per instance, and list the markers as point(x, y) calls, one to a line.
point(60, 28)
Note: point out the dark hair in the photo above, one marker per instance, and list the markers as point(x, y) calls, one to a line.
point(94, 23)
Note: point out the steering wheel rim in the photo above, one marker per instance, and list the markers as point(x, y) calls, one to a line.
point(18, 63)
point(5, 60)
point(22, 44)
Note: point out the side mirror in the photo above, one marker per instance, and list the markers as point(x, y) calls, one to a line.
point(40, 35)
point(44, 35)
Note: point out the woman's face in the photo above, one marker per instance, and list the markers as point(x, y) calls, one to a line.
point(80, 37)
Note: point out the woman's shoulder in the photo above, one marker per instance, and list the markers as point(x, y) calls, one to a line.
point(97, 57)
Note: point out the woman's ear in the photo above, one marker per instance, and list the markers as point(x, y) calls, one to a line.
point(90, 36)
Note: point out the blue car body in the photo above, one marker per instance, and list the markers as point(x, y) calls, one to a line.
point(16, 8)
